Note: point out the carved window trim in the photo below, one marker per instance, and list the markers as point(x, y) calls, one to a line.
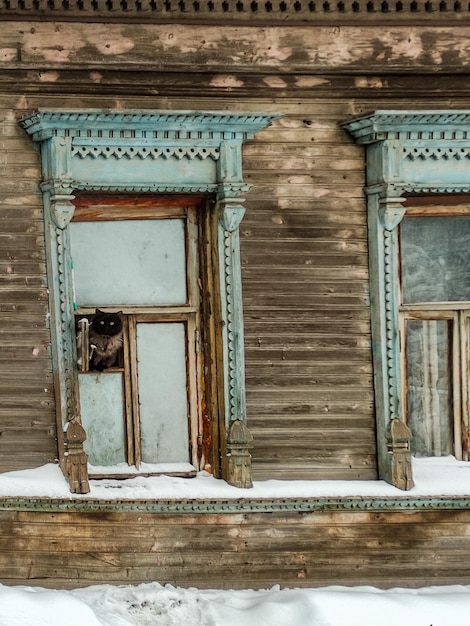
point(144, 152)
point(407, 153)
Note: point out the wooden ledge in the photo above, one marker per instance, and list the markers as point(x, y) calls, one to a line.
point(243, 505)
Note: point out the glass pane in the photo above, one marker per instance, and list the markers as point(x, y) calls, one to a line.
point(102, 411)
point(429, 386)
point(161, 356)
point(435, 259)
point(129, 262)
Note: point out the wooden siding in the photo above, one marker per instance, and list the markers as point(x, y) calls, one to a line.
point(27, 424)
point(304, 240)
point(304, 254)
point(305, 285)
point(385, 549)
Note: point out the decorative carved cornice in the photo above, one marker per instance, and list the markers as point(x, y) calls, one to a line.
point(140, 128)
point(444, 127)
point(285, 12)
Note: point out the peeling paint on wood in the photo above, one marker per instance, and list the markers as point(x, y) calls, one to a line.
point(251, 48)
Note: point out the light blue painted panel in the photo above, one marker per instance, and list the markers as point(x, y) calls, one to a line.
point(129, 262)
point(161, 355)
point(102, 411)
point(432, 171)
point(133, 171)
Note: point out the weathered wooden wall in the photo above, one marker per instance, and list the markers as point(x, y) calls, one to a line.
point(67, 550)
point(304, 246)
point(27, 425)
point(304, 255)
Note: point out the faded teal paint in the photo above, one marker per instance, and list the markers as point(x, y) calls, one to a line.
point(139, 151)
point(101, 394)
point(231, 213)
point(407, 152)
point(244, 506)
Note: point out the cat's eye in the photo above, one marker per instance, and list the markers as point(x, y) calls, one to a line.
point(111, 323)
point(102, 322)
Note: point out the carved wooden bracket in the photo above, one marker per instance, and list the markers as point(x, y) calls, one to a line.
point(398, 442)
point(239, 439)
point(391, 211)
point(76, 459)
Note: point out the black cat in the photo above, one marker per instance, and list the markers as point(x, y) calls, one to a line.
point(106, 337)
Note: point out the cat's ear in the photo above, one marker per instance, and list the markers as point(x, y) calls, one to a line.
point(98, 311)
point(119, 313)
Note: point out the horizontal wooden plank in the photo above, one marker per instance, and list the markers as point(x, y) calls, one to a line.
point(259, 330)
point(287, 218)
point(73, 549)
point(289, 405)
point(234, 47)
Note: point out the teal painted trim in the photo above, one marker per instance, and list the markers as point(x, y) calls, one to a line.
point(229, 507)
point(421, 152)
point(144, 124)
point(138, 152)
point(231, 212)
point(411, 125)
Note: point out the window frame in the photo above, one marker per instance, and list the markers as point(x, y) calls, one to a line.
point(93, 208)
point(457, 311)
point(156, 152)
point(409, 154)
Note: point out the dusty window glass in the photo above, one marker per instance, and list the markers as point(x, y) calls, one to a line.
point(142, 259)
point(162, 375)
point(435, 259)
point(429, 386)
point(154, 271)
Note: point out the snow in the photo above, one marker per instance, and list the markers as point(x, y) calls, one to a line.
point(153, 604)
point(434, 477)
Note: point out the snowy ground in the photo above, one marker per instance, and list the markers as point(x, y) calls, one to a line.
point(152, 604)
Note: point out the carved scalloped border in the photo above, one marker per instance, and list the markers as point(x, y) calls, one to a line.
point(144, 152)
point(287, 505)
point(436, 153)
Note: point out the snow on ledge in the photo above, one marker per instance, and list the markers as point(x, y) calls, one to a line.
point(434, 477)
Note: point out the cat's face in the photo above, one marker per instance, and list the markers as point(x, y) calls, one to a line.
point(106, 323)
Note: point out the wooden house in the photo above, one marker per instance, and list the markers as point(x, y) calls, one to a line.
point(275, 195)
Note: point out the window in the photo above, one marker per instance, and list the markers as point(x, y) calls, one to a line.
point(418, 181)
point(161, 246)
point(140, 258)
point(434, 322)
